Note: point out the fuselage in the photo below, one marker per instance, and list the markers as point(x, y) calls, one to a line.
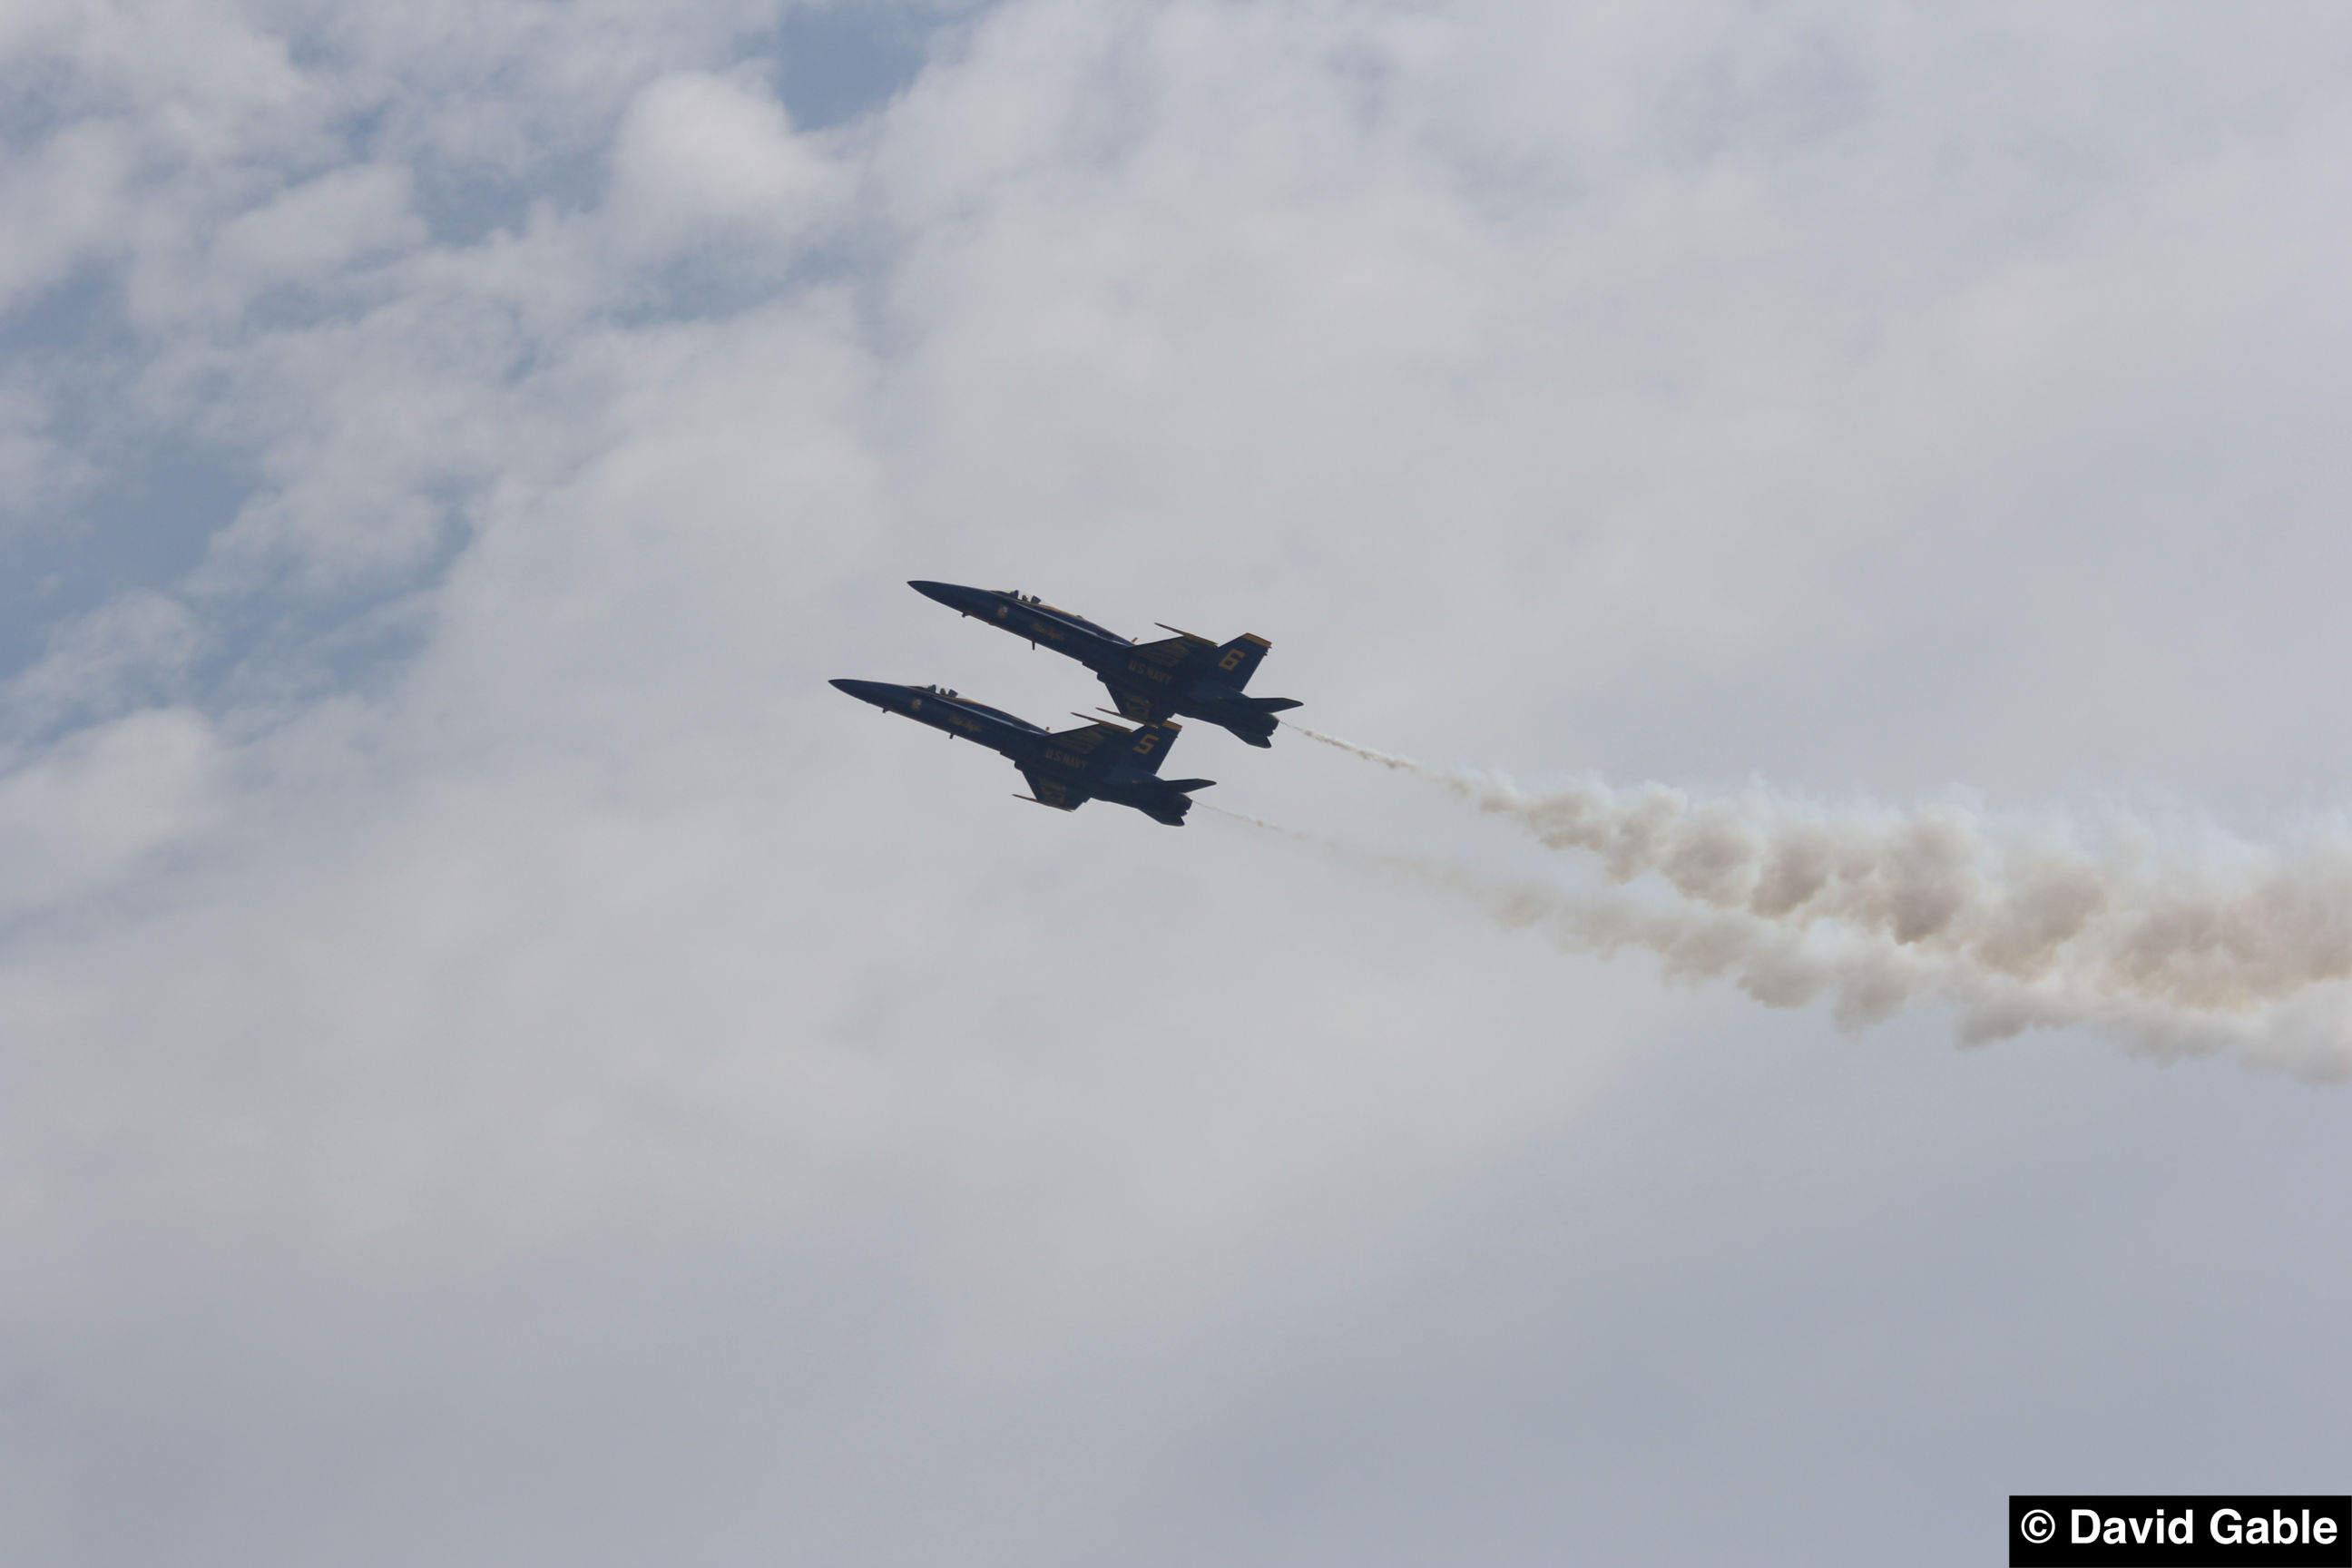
point(958, 716)
point(1098, 647)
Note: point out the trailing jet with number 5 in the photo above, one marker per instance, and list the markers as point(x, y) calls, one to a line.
point(1148, 681)
point(1101, 762)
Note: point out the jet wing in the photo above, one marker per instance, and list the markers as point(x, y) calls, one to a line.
point(1137, 705)
point(1172, 653)
point(1087, 742)
point(1050, 791)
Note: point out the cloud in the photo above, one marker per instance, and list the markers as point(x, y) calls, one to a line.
point(61, 202)
point(699, 156)
point(132, 648)
point(86, 815)
point(37, 472)
point(325, 224)
point(503, 1056)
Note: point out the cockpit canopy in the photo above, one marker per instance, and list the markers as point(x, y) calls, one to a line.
point(1017, 596)
point(936, 690)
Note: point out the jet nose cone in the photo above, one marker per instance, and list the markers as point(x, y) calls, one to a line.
point(952, 596)
point(863, 690)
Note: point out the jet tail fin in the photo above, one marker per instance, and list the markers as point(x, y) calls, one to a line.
point(1148, 746)
point(1236, 661)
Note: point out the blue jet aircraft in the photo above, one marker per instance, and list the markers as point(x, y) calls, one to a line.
point(1148, 681)
point(1101, 762)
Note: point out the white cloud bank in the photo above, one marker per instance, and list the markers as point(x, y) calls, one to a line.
point(504, 1065)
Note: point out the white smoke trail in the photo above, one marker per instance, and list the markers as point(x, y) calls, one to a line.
point(1399, 765)
point(2175, 938)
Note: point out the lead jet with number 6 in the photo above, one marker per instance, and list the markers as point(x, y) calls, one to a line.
point(1064, 770)
point(1149, 681)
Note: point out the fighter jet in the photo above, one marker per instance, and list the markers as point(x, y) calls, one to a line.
point(1149, 681)
point(1064, 770)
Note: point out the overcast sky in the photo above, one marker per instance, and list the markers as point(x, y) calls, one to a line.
point(504, 1065)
